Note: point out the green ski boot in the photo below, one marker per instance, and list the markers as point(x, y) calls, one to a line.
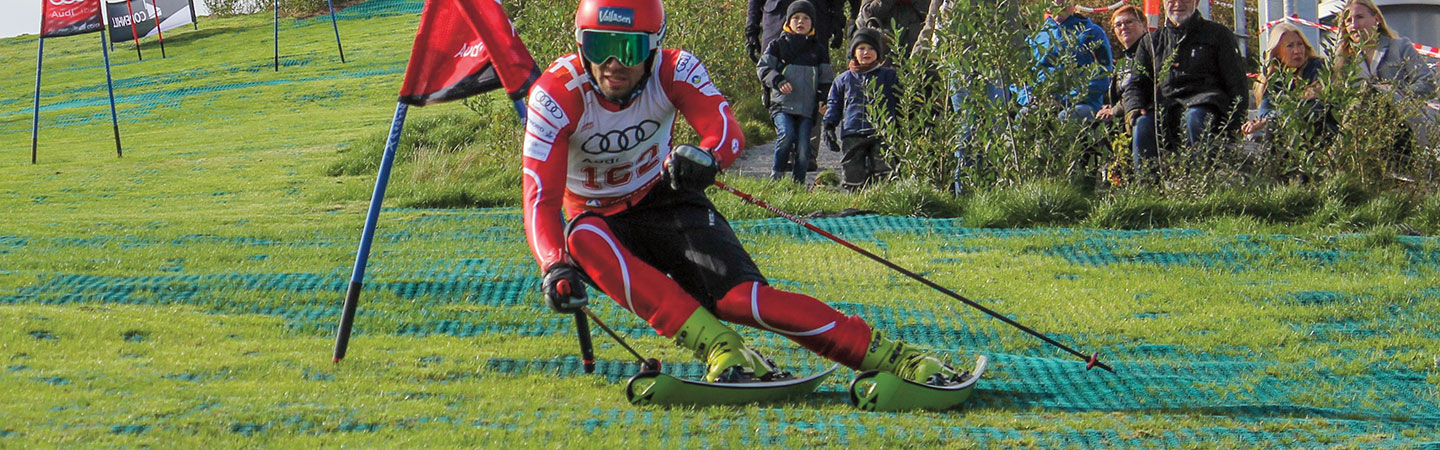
point(724, 352)
point(896, 378)
point(905, 362)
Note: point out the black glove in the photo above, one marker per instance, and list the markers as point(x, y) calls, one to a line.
point(831, 139)
point(564, 288)
point(691, 167)
point(752, 44)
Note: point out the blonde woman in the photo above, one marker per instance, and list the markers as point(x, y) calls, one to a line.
point(1290, 64)
point(1389, 62)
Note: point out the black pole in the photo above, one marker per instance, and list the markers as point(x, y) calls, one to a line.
point(587, 351)
point(337, 30)
point(1092, 360)
point(193, 21)
point(613, 334)
point(35, 118)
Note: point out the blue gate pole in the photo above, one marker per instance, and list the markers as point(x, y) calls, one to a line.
point(277, 35)
point(110, 86)
point(337, 30)
point(357, 276)
point(35, 118)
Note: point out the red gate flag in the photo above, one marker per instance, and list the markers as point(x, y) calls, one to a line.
point(463, 48)
point(70, 17)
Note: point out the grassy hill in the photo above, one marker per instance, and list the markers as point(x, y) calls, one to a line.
point(185, 295)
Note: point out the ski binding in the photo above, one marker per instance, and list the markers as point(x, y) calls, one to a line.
point(883, 391)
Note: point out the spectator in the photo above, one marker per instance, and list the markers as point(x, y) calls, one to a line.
point(796, 73)
point(764, 20)
point(1387, 61)
point(1129, 26)
point(1074, 39)
point(1189, 77)
point(903, 18)
point(849, 108)
point(1290, 64)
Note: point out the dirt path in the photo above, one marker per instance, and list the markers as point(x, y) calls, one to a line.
point(756, 162)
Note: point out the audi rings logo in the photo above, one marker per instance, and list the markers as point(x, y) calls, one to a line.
point(618, 141)
point(65, 2)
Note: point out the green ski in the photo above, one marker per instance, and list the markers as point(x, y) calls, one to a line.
point(883, 391)
point(655, 388)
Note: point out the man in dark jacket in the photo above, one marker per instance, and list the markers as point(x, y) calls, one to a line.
point(764, 18)
point(903, 18)
point(1190, 74)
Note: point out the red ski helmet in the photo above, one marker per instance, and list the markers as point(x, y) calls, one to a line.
point(628, 30)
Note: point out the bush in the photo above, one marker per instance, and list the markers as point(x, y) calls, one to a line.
point(1032, 204)
point(288, 8)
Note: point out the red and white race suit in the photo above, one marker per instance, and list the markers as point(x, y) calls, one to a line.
point(587, 153)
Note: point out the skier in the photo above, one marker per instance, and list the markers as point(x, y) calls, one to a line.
point(636, 222)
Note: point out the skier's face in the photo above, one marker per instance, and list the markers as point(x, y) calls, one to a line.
point(617, 80)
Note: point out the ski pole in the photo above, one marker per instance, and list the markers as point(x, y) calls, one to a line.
point(1091, 361)
point(587, 351)
point(650, 363)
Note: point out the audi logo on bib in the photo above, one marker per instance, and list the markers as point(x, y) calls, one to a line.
point(64, 2)
point(618, 141)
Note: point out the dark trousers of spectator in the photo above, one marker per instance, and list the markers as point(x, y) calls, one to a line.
point(1196, 123)
point(861, 161)
point(792, 146)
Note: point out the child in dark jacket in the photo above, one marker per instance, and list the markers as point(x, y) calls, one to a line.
point(849, 108)
point(796, 70)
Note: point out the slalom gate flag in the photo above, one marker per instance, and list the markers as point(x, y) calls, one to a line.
point(141, 14)
point(70, 17)
point(464, 48)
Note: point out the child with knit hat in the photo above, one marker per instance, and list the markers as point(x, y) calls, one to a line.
point(848, 115)
point(796, 70)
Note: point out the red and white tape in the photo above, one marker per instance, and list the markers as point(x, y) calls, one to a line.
point(1297, 20)
point(1089, 10)
point(1428, 50)
point(1420, 48)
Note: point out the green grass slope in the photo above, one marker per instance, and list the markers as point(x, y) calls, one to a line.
point(185, 295)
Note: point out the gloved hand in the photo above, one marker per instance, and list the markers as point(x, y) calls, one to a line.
point(832, 139)
point(564, 288)
point(691, 167)
point(752, 42)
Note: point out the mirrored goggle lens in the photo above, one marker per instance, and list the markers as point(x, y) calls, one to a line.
point(628, 48)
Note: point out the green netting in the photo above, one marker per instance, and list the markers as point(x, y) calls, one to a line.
point(410, 286)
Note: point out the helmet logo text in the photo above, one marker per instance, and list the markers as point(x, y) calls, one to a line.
point(617, 16)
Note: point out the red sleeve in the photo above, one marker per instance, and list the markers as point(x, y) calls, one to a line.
point(554, 103)
point(688, 85)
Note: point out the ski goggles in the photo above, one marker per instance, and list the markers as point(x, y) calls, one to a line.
point(630, 49)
